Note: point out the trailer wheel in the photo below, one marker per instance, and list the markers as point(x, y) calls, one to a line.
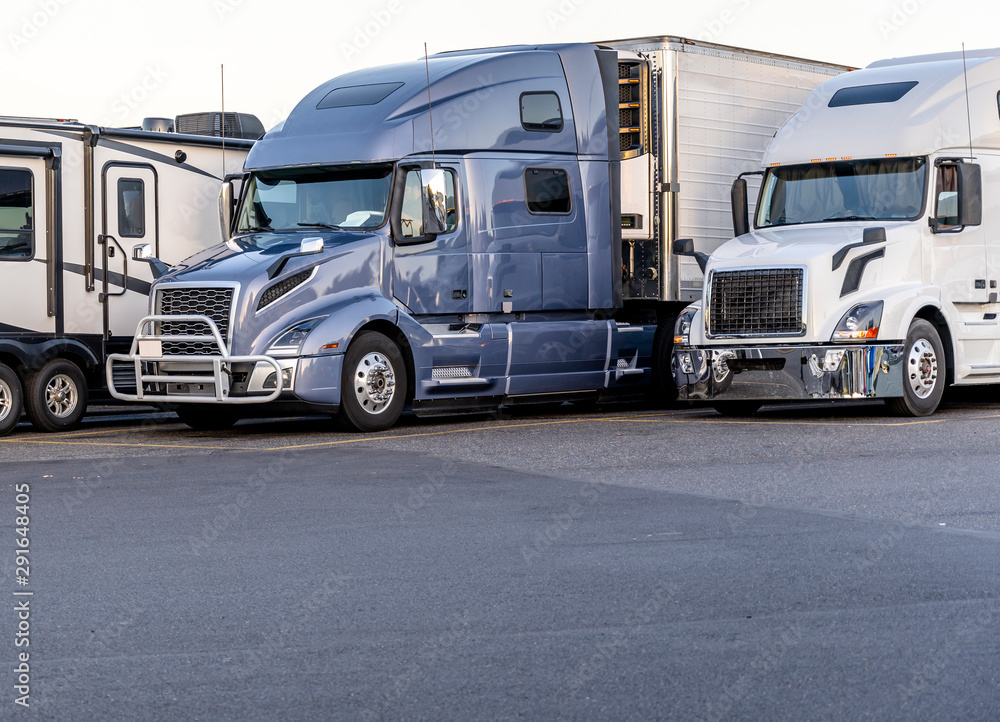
point(207, 417)
point(923, 373)
point(56, 397)
point(374, 383)
point(11, 400)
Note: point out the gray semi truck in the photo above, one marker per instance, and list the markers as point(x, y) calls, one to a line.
point(469, 230)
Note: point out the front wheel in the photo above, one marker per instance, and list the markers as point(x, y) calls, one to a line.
point(923, 372)
point(11, 400)
point(374, 383)
point(56, 396)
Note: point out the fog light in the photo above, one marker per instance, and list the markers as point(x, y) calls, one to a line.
point(271, 382)
point(687, 366)
point(832, 360)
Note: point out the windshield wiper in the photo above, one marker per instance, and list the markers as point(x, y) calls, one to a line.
point(851, 218)
point(319, 224)
point(255, 229)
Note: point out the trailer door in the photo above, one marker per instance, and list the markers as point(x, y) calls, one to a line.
point(129, 219)
point(28, 252)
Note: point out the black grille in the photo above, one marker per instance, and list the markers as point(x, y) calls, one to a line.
point(281, 288)
point(625, 94)
point(625, 70)
point(212, 302)
point(629, 140)
point(628, 117)
point(763, 302)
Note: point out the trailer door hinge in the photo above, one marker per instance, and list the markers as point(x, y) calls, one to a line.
point(668, 187)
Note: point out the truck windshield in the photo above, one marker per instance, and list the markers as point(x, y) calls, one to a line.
point(887, 189)
point(295, 199)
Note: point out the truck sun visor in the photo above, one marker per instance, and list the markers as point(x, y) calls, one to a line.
point(868, 94)
point(358, 95)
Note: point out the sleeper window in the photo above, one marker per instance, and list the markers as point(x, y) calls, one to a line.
point(17, 235)
point(541, 111)
point(546, 190)
point(131, 208)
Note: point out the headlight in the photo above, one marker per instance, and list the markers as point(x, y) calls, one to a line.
point(682, 328)
point(860, 322)
point(289, 343)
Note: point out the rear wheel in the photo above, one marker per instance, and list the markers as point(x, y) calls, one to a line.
point(207, 417)
point(11, 400)
point(923, 372)
point(374, 383)
point(56, 396)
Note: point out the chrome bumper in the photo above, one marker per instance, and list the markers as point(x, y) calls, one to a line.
point(789, 372)
point(207, 377)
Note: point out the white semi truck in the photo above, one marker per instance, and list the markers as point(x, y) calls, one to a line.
point(872, 264)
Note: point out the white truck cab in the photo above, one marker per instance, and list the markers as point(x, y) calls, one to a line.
point(872, 263)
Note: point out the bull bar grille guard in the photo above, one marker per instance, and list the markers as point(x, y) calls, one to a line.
point(219, 377)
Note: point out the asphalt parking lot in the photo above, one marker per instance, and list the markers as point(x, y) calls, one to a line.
point(813, 562)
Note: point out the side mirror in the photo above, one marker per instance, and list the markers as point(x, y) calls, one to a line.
point(226, 209)
point(144, 252)
point(685, 247)
point(970, 194)
point(741, 217)
point(435, 192)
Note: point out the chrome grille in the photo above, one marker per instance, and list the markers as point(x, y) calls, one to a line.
point(759, 302)
point(216, 303)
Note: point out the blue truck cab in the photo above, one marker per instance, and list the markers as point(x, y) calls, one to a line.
point(444, 235)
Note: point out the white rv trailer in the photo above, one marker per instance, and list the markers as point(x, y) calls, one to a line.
point(75, 199)
point(872, 267)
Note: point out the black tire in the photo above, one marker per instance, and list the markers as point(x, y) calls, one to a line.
point(207, 417)
point(11, 400)
point(56, 397)
point(374, 383)
point(924, 368)
point(737, 409)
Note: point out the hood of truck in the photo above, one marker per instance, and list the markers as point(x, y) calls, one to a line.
point(295, 292)
point(794, 245)
point(827, 292)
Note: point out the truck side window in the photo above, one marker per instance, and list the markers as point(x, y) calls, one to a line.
point(131, 208)
point(17, 235)
point(412, 211)
point(546, 190)
point(946, 210)
point(541, 111)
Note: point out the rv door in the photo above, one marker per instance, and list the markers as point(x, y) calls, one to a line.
point(129, 218)
point(28, 298)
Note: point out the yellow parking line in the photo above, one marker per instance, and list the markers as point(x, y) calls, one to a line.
point(832, 422)
point(455, 431)
point(140, 446)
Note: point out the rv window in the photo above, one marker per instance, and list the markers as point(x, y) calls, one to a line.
point(17, 235)
point(868, 94)
point(541, 111)
point(412, 212)
point(131, 208)
point(546, 190)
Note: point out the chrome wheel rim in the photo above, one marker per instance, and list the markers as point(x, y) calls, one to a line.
point(61, 396)
point(922, 368)
point(6, 401)
point(374, 383)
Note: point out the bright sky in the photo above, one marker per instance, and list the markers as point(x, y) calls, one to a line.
point(114, 62)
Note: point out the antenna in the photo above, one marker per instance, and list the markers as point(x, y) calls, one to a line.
point(430, 114)
point(968, 111)
point(222, 121)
